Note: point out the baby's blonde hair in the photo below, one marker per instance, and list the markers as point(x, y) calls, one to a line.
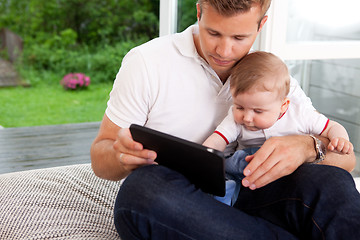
point(262, 71)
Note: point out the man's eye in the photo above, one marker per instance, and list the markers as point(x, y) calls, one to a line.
point(213, 33)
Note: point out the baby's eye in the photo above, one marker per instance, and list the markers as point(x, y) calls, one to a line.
point(258, 111)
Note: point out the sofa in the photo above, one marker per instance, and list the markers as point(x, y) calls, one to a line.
point(67, 202)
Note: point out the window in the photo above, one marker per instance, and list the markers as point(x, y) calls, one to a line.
point(168, 17)
point(320, 42)
point(176, 15)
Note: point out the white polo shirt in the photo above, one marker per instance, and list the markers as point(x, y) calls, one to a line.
point(300, 118)
point(165, 85)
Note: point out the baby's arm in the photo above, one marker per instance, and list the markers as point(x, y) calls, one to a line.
point(339, 139)
point(215, 141)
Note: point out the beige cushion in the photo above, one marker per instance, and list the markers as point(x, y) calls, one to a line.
point(57, 203)
point(357, 182)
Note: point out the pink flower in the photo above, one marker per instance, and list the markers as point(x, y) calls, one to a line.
point(75, 81)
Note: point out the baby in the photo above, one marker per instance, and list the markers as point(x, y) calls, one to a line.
point(259, 85)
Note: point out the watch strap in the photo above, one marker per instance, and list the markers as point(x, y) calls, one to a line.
point(320, 150)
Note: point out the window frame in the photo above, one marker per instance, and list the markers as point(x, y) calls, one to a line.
point(168, 17)
point(273, 39)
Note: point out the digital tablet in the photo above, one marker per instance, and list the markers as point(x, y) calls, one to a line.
point(203, 166)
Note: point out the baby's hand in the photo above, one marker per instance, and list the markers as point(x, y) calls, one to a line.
point(340, 145)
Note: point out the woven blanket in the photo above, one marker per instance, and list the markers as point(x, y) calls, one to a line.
point(57, 203)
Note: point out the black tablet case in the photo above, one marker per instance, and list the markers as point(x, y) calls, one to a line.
point(203, 166)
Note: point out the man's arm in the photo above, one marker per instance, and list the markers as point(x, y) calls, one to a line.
point(114, 154)
point(281, 156)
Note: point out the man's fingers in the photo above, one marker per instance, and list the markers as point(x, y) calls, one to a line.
point(127, 141)
point(131, 153)
point(272, 161)
point(255, 172)
point(274, 173)
point(133, 162)
point(249, 158)
point(257, 160)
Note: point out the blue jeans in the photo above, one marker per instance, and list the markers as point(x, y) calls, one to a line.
point(234, 168)
point(315, 202)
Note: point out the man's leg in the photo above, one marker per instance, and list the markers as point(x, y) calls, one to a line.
point(315, 202)
point(155, 202)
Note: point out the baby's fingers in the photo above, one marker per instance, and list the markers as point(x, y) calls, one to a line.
point(348, 147)
point(341, 145)
point(333, 144)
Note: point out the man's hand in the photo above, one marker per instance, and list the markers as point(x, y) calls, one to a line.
point(114, 153)
point(278, 157)
point(130, 153)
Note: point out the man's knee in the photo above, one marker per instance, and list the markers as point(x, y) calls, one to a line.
point(136, 199)
point(152, 187)
point(323, 177)
point(150, 195)
point(140, 184)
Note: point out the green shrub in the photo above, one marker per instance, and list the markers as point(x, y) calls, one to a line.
point(186, 14)
point(100, 63)
point(89, 36)
point(95, 22)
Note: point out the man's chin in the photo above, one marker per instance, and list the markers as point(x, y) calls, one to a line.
point(221, 71)
point(223, 66)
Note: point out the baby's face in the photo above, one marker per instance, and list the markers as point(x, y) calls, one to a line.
point(257, 110)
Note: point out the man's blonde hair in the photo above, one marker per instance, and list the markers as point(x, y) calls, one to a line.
point(232, 7)
point(261, 71)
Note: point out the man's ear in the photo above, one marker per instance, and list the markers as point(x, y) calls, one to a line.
point(262, 22)
point(198, 9)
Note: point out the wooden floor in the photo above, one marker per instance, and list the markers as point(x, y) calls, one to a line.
point(28, 148)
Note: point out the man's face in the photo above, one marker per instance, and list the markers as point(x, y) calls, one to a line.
point(222, 40)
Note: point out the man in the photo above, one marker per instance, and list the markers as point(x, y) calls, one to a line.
point(179, 85)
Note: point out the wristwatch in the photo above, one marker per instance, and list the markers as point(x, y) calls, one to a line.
point(320, 150)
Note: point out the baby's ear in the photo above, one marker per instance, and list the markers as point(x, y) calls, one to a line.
point(285, 105)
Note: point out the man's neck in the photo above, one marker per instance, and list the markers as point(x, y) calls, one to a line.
point(223, 76)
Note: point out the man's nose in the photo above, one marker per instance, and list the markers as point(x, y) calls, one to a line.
point(224, 48)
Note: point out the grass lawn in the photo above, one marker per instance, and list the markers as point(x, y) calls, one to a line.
point(48, 104)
